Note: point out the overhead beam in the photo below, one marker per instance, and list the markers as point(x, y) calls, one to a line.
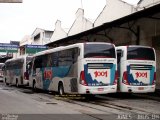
point(11, 1)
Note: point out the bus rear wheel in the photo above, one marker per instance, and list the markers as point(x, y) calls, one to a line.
point(61, 89)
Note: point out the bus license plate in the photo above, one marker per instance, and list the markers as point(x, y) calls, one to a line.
point(141, 88)
point(100, 89)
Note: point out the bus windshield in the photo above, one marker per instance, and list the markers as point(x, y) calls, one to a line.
point(140, 53)
point(99, 51)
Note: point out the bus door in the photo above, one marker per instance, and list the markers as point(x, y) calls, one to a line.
point(37, 72)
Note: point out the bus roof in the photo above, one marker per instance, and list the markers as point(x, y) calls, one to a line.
point(133, 46)
point(21, 57)
point(67, 47)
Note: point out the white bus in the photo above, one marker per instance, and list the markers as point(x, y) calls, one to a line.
point(15, 71)
point(137, 69)
point(82, 68)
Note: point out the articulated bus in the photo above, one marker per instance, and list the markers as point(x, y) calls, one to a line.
point(137, 69)
point(82, 68)
point(15, 71)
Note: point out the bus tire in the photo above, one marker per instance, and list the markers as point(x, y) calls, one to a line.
point(60, 89)
point(34, 89)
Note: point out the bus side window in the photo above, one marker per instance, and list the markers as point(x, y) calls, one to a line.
point(44, 61)
point(78, 51)
point(28, 67)
point(54, 57)
point(75, 54)
point(34, 65)
point(37, 63)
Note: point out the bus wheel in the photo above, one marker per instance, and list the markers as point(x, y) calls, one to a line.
point(34, 86)
point(60, 89)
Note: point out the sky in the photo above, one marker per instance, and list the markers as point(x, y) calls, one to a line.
point(20, 19)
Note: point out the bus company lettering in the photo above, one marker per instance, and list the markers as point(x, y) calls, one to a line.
point(99, 73)
point(48, 74)
point(141, 74)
